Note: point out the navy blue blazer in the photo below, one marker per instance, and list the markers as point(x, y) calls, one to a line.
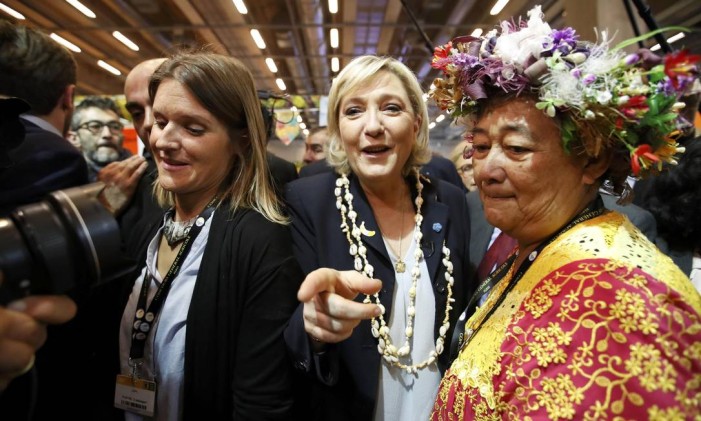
point(42, 163)
point(348, 372)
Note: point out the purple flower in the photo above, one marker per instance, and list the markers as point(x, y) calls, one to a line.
point(576, 73)
point(589, 79)
point(563, 40)
point(666, 87)
point(631, 59)
point(565, 36)
point(463, 60)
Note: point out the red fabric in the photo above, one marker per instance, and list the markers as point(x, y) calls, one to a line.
point(497, 254)
point(593, 340)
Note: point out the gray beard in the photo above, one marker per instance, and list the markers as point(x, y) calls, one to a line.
point(103, 156)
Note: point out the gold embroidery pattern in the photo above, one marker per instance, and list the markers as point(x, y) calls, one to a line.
point(540, 301)
point(594, 339)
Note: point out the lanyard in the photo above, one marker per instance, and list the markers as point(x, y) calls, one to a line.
point(144, 318)
point(596, 208)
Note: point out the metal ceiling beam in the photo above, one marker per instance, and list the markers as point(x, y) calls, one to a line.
point(204, 30)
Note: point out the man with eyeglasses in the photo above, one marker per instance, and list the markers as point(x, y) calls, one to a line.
point(96, 123)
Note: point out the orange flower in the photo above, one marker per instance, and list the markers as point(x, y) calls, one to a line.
point(669, 148)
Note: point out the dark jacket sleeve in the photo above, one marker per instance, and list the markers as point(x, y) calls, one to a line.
point(325, 365)
point(262, 384)
point(235, 360)
point(43, 163)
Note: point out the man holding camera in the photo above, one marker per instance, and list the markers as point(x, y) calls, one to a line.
point(35, 159)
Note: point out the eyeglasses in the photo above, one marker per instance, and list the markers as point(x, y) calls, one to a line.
point(95, 127)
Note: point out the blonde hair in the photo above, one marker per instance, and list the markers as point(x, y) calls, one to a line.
point(359, 72)
point(225, 87)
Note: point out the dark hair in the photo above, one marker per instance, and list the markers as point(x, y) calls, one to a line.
point(675, 200)
point(100, 102)
point(320, 129)
point(225, 88)
point(34, 67)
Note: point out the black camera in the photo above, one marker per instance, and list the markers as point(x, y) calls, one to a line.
point(66, 241)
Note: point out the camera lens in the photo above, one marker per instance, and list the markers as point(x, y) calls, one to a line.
point(67, 240)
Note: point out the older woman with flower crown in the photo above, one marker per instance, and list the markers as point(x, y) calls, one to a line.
point(381, 354)
point(587, 319)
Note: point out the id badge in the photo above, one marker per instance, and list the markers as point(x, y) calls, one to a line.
point(135, 395)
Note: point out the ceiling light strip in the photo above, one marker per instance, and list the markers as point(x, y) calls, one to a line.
point(271, 64)
point(12, 12)
point(335, 65)
point(258, 39)
point(669, 40)
point(109, 67)
point(126, 41)
point(498, 7)
point(82, 8)
point(59, 39)
point(334, 37)
point(240, 6)
point(333, 6)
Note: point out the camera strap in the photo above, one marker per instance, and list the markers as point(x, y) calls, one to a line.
point(145, 318)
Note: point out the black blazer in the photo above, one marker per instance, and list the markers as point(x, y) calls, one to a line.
point(42, 163)
point(236, 365)
point(348, 372)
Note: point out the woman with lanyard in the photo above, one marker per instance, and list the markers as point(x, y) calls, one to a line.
point(587, 319)
point(378, 354)
point(200, 334)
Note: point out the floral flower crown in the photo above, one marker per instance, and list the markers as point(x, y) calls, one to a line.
point(603, 95)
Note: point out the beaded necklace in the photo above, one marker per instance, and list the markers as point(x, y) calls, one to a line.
point(379, 328)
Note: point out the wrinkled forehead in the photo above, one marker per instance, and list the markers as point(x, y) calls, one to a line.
point(517, 112)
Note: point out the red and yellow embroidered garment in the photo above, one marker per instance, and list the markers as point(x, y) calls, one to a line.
point(602, 326)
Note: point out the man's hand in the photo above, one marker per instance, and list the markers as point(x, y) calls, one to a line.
point(23, 331)
point(121, 179)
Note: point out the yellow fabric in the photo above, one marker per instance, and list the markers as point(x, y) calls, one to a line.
point(610, 236)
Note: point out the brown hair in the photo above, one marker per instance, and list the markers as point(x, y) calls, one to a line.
point(225, 87)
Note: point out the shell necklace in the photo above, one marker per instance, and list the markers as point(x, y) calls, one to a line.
point(379, 328)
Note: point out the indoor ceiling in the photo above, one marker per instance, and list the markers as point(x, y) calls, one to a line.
point(296, 33)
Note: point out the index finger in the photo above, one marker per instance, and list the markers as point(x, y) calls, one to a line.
point(53, 309)
point(320, 280)
point(343, 308)
point(344, 283)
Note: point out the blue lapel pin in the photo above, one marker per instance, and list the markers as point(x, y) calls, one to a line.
point(437, 227)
